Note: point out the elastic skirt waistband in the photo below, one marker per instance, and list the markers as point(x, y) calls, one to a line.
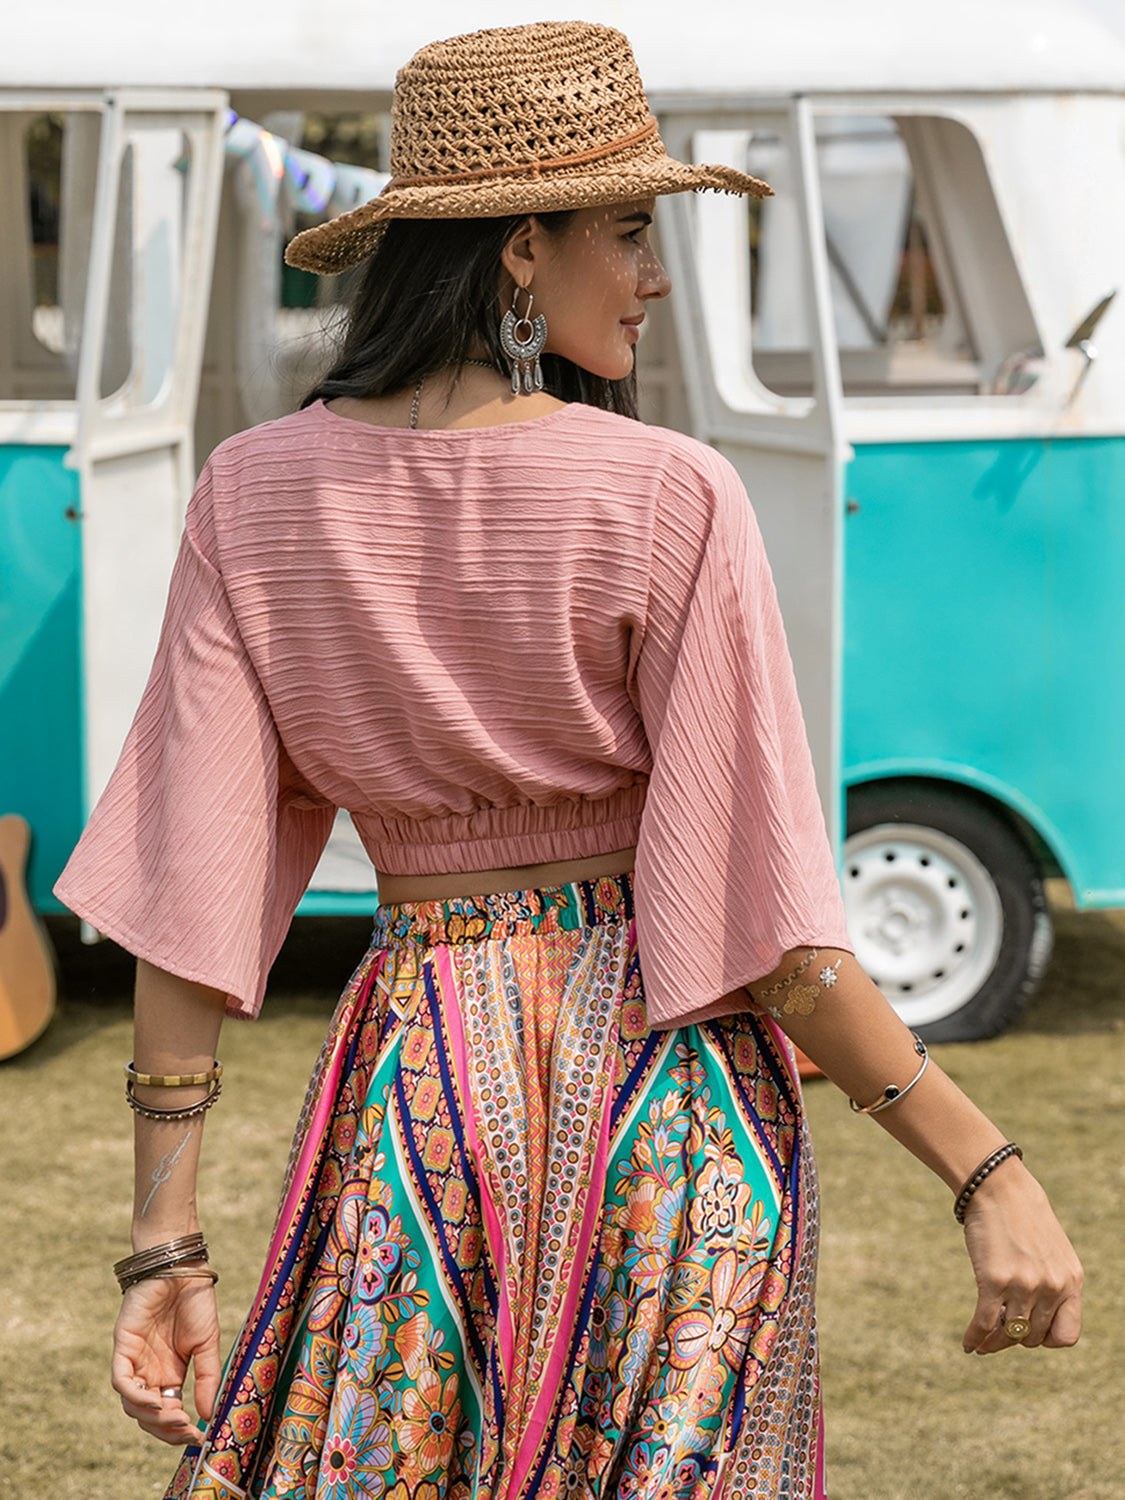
point(505, 914)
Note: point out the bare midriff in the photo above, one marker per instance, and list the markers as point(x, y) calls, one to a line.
point(395, 889)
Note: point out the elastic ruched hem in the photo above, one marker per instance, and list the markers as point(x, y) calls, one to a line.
point(528, 1247)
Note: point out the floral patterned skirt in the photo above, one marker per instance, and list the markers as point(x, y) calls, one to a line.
point(527, 1247)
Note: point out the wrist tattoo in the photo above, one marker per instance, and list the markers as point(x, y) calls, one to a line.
point(163, 1170)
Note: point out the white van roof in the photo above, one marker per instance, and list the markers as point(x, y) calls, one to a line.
point(683, 46)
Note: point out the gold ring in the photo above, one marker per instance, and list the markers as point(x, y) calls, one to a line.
point(1017, 1328)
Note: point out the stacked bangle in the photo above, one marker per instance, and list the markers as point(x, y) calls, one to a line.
point(159, 1259)
point(184, 1273)
point(987, 1166)
point(135, 1080)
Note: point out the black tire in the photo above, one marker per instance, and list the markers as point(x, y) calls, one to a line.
point(946, 898)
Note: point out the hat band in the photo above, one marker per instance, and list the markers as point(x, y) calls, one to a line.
point(577, 159)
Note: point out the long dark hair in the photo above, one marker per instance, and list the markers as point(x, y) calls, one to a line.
point(429, 299)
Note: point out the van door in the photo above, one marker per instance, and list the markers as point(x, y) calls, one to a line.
point(159, 177)
point(787, 447)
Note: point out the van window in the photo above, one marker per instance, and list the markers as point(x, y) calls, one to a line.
point(44, 234)
point(925, 292)
point(146, 276)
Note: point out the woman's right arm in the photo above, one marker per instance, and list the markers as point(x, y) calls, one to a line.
point(167, 1324)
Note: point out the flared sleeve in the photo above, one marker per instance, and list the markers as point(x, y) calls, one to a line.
point(734, 865)
point(205, 838)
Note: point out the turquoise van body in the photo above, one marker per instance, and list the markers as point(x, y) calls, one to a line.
point(40, 667)
point(984, 637)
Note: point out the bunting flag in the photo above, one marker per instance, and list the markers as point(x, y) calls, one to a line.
point(310, 184)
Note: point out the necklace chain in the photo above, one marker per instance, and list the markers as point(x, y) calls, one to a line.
point(484, 364)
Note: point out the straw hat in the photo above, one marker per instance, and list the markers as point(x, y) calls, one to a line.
point(519, 119)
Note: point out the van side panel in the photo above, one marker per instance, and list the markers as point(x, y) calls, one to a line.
point(984, 634)
point(40, 610)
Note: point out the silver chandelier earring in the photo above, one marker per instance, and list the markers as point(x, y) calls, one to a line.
point(523, 341)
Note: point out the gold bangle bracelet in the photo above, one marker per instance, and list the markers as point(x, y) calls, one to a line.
point(172, 1080)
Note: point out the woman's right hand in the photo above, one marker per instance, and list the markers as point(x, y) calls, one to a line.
point(1025, 1267)
point(164, 1326)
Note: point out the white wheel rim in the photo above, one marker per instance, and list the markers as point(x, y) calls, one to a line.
point(925, 917)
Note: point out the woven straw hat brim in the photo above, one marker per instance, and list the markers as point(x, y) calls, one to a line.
point(350, 238)
point(515, 120)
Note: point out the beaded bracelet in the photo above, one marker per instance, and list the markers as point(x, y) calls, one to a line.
point(172, 1080)
point(152, 1112)
point(987, 1166)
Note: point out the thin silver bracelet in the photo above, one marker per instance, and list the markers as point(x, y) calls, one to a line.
point(892, 1094)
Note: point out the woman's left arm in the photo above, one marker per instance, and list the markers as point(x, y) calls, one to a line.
point(1025, 1266)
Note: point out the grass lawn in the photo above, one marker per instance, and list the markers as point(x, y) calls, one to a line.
point(910, 1417)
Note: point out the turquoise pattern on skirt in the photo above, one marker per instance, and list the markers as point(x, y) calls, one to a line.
point(527, 1247)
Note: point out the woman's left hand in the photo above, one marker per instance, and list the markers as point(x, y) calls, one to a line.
point(164, 1328)
point(1024, 1265)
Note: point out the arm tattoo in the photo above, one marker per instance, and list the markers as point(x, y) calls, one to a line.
point(800, 999)
point(163, 1170)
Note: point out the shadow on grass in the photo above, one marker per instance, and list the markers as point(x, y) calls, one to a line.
point(1083, 990)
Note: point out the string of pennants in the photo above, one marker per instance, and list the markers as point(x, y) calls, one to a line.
point(306, 182)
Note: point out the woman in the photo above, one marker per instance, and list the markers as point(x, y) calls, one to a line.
point(550, 1220)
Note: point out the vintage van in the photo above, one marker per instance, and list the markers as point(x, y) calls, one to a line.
point(913, 354)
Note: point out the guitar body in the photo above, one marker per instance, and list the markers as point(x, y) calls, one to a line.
point(27, 975)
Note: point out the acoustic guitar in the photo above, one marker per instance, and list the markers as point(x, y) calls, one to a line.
point(27, 974)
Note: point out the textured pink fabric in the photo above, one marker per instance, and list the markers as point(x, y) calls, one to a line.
point(495, 646)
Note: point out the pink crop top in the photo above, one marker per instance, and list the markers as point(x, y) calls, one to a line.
point(495, 646)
